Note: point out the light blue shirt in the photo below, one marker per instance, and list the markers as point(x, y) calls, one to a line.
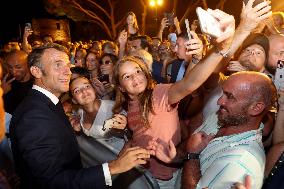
point(181, 71)
point(228, 159)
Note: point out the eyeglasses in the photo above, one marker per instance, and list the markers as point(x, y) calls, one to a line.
point(257, 52)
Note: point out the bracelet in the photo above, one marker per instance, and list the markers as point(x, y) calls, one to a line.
point(224, 54)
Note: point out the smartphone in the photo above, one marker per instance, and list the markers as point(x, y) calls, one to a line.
point(170, 18)
point(208, 24)
point(256, 2)
point(279, 75)
point(108, 124)
point(187, 29)
point(104, 78)
point(10, 76)
point(28, 25)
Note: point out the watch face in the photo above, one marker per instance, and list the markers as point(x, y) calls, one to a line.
point(192, 156)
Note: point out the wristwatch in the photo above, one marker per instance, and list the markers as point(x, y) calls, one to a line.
point(190, 156)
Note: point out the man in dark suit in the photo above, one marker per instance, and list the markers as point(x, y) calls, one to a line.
point(45, 149)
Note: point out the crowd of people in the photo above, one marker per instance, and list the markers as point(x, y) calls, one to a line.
point(195, 111)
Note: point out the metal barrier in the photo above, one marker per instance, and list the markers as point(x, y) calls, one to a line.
point(94, 152)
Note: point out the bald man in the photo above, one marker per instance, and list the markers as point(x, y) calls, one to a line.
point(18, 81)
point(236, 150)
point(276, 52)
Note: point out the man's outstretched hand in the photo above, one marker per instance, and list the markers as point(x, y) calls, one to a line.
point(128, 159)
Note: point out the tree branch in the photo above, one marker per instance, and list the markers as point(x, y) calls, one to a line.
point(111, 5)
point(93, 16)
point(99, 7)
point(119, 22)
point(190, 8)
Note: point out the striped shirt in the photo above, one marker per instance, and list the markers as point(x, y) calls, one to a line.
point(229, 159)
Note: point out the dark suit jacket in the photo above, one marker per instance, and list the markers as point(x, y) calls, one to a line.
point(45, 149)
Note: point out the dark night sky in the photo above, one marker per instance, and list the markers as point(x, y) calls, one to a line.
point(14, 14)
point(20, 11)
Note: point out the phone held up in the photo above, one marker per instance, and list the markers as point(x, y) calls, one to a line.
point(170, 17)
point(187, 29)
point(104, 78)
point(208, 24)
point(279, 75)
point(28, 25)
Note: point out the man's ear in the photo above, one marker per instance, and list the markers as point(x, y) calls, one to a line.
point(36, 72)
point(256, 108)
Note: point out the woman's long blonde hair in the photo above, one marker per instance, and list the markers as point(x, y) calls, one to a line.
point(135, 25)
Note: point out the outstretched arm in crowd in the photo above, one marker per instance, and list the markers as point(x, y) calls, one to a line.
point(251, 17)
point(164, 24)
point(199, 74)
point(25, 45)
point(122, 40)
point(195, 77)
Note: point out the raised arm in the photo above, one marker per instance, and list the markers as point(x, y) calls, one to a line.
point(122, 40)
point(251, 17)
point(25, 45)
point(164, 24)
point(177, 25)
point(199, 74)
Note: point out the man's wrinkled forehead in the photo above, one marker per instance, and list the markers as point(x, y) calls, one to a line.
point(256, 46)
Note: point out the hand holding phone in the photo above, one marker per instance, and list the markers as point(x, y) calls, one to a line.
point(28, 26)
point(279, 75)
point(208, 24)
point(187, 28)
point(104, 78)
point(170, 18)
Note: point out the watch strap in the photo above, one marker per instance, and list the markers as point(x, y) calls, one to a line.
point(190, 156)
